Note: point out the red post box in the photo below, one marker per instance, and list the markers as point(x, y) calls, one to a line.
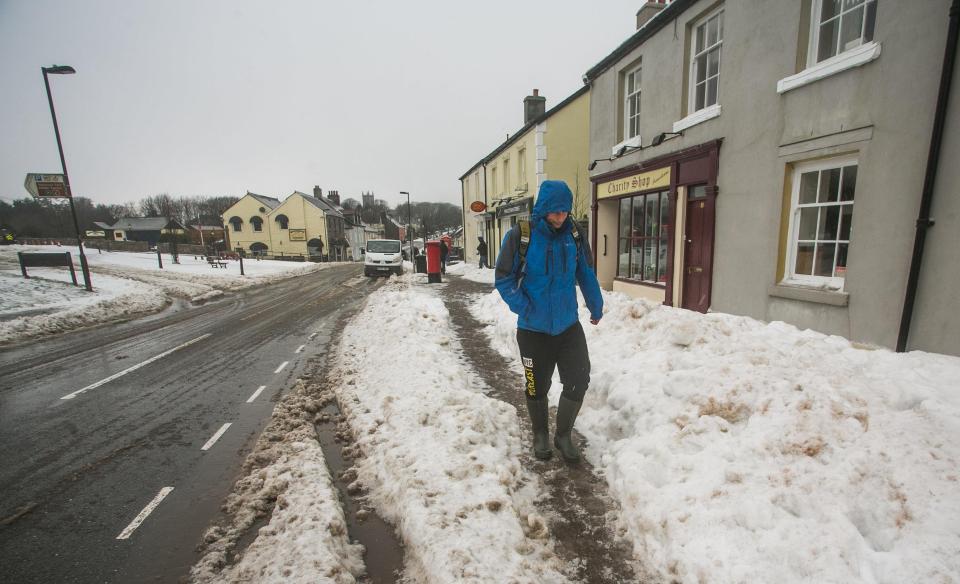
point(433, 261)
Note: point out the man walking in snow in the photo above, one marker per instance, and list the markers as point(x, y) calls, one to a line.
point(539, 266)
point(482, 252)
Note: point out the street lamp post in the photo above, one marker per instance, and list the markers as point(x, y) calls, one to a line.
point(66, 70)
point(409, 226)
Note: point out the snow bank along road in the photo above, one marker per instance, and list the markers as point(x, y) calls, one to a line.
point(120, 443)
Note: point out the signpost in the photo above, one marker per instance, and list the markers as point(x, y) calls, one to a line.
point(47, 186)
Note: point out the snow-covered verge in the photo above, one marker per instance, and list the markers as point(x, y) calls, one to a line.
point(471, 272)
point(126, 285)
point(742, 451)
point(434, 455)
point(306, 538)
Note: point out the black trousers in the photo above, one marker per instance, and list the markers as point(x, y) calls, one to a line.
point(542, 353)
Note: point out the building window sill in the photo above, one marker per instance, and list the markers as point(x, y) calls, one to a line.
point(804, 294)
point(641, 283)
point(853, 58)
point(707, 113)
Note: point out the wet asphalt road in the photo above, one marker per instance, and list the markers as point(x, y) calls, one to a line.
point(75, 473)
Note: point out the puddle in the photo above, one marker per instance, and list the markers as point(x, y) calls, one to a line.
point(383, 554)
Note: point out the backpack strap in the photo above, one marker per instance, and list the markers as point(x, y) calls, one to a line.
point(524, 225)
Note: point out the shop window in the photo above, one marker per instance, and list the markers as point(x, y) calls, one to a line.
point(642, 242)
point(820, 222)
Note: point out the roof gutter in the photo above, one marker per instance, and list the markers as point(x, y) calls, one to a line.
point(924, 221)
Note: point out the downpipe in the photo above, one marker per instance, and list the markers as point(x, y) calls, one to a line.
point(924, 221)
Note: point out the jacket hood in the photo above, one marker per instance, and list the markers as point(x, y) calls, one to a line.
point(554, 196)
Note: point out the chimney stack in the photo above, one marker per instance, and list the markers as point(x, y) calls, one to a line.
point(334, 197)
point(533, 106)
point(648, 11)
point(317, 191)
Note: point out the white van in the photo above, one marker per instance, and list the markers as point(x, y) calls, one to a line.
point(383, 258)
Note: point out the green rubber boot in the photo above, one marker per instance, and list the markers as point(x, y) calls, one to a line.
point(567, 412)
point(541, 428)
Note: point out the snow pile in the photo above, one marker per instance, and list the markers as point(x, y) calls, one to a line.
point(434, 455)
point(306, 539)
point(749, 452)
point(49, 303)
point(471, 272)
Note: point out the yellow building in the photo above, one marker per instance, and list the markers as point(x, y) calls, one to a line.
point(299, 226)
point(501, 188)
point(248, 228)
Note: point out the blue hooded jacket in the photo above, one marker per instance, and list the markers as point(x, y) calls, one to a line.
point(544, 297)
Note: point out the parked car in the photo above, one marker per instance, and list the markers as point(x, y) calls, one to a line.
point(383, 258)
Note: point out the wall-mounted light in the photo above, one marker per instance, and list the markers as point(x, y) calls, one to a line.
point(662, 136)
point(593, 164)
point(627, 148)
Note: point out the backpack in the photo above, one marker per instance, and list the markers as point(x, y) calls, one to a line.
point(524, 225)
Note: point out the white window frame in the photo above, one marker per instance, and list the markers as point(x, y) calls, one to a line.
point(493, 180)
point(813, 48)
point(522, 170)
point(832, 283)
point(692, 97)
point(843, 60)
point(506, 175)
point(637, 73)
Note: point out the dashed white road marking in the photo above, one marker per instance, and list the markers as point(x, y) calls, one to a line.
point(256, 393)
point(134, 368)
point(126, 533)
point(213, 439)
point(300, 348)
point(282, 365)
point(257, 313)
point(310, 338)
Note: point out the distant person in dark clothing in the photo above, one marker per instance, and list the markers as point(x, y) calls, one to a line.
point(444, 250)
point(482, 252)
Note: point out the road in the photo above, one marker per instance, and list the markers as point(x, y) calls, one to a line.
point(100, 427)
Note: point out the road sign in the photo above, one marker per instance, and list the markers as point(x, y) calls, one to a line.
point(44, 186)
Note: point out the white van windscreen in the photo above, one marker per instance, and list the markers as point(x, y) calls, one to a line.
point(383, 246)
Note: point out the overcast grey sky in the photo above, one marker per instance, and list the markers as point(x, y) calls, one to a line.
point(203, 97)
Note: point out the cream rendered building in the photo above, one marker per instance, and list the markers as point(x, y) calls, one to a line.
point(551, 145)
point(247, 224)
point(298, 226)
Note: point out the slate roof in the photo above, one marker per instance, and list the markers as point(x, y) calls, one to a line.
point(270, 202)
point(143, 223)
point(322, 203)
